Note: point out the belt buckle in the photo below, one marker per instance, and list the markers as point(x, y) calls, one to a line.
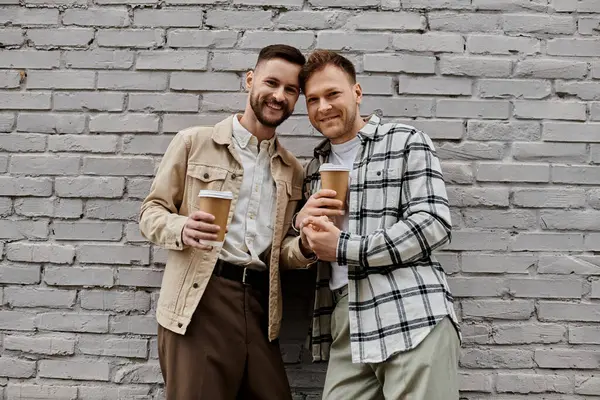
point(244, 275)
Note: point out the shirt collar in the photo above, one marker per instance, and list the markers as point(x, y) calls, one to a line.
point(366, 132)
point(243, 137)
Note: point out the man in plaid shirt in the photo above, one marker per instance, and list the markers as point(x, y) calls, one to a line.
point(383, 311)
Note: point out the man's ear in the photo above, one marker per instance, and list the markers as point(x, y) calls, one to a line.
point(357, 89)
point(249, 79)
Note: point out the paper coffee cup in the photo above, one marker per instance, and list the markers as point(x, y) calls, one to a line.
point(335, 177)
point(217, 204)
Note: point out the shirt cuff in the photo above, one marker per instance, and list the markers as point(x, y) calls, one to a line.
point(302, 260)
point(348, 249)
point(174, 240)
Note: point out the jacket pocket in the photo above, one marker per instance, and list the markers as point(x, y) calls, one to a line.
point(204, 177)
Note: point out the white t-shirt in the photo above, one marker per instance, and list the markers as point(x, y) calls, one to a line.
point(342, 154)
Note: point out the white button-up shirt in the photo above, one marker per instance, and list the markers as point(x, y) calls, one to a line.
point(251, 229)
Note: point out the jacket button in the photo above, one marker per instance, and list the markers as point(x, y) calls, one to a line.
point(206, 176)
point(177, 243)
point(233, 176)
point(180, 324)
point(195, 285)
point(378, 173)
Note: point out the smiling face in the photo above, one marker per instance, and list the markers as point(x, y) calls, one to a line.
point(332, 101)
point(274, 90)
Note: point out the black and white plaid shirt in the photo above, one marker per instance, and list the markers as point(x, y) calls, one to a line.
point(398, 215)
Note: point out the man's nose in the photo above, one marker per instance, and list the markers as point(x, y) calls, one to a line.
point(279, 95)
point(324, 106)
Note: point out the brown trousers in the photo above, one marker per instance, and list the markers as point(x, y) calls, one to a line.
point(225, 353)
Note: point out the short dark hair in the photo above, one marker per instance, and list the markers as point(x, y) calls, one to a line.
point(283, 51)
point(319, 59)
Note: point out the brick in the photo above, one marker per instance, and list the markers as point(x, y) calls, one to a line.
point(110, 231)
point(375, 84)
point(233, 61)
point(28, 16)
point(205, 81)
point(44, 165)
point(517, 88)
point(595, 154)
point(50, 123)
point(41, 344)
point(548, 198)
point(83, 143)
point(113, 254)
point(29, 59)
point(576, 175)
point(399, 63)
point(471, 151)
point(388, 21)
point(12, 37)
point(403, 107)
point(4, 163)
point(12, 367)
point(592, 242)
point(478, 240)
point(589, 25)
point(551, 69)
point(239, 19)
point(108, 187)
point(146, 144)
point(584, 6)
point(114, 123)
point(260, 39)
point(546, 288)
point(559, 311)
point(498, 264)
point(56, 3)
point(6, 207)
point(503, 130)
point(449, 262)
point(497, 358)
point(66, 322)
point(7, 122)
point(567, 358)
point(138, 188)
point(547, 242)
point(22, 142)
point(163, 102)
point(136, 38)
point(182, 38)
point(40, 79)
point(475, 334)
point(497, 309)
point(70, 276)
point(490, 219)
point(19, 273)
point(594, 198)
point(102, 17)
point(168, 18)
point(569, 264)
point(489, 109)
point(511, 5)
point(139, 277)
point(142, 373)
point(88, 101)
point(464, 22)
point(596, 70)
point(284, 3)
point(529, 333)
point(25, 100)
point(74, 370)
point(475, 66)
point(23, 229)
point(343, 41)
point(584, 91)
point(474, 382)
point(496, 172)
point(115, 301)
point(573, 47)
point(224, 102)
point(551, 152)
point(317, 20)
point(533, 383)
point(434, 85)
point(459, 173)
point(477, 287)
point(343, 3)
point(118, 166)
point(571, 132)
point(17, 321)
point(133, 234)
point(23, 186)
point(68, 37)
point(595, 111)
point(35, 392)
point(106, 209)
point(99, 59)
point(490, 44)
point(470, 197)
point(154, 349)
point(550, 110)
point(570, 220)
point(587, 385)
point(29, 252)
point(172, 60)
point(137, 324)
point(584, 335)
point(116, 392)
point(113, 347)
point(537, 23)
point(125, 80)
point(39, 297)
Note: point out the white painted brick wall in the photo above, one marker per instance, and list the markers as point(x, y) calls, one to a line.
point(91, 94)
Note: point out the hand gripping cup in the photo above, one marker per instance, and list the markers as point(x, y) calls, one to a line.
point(335, 177)
point(217, 204)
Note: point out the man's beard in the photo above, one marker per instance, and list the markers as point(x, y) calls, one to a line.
point(347, 125)
point(257, 106)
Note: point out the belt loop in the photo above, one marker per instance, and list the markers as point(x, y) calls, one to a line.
point(244, 275)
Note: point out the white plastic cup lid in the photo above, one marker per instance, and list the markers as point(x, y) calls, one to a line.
point(216, 194)
point(333, 167)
